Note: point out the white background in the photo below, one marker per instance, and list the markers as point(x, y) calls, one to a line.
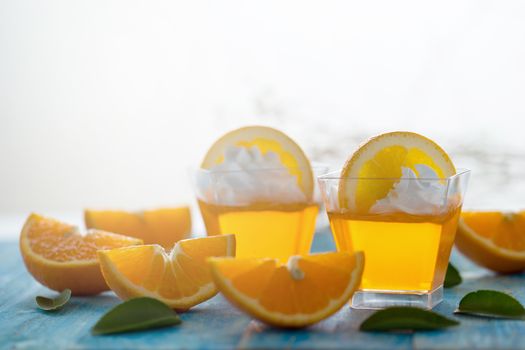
point(108, 103)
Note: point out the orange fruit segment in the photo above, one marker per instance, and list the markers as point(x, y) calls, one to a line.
point(160, 226)
point(59, 257)
point(302, 292)
point(180, 278)
point(493, 239)
point(383, 157)
point(266, 139)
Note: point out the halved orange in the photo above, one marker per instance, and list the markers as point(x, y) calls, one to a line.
point(180, 279)
point(493, 239)
point(383, 157)
point(163, 226)
point(59, 257)
point(305, 291)
point(266, 139)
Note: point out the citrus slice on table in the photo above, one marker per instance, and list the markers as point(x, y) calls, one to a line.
point(383, 157)
point(59, 257)
point(163, 226)
point(180, 278)
point(304, 291)
point(494, 239)
point(266, 139)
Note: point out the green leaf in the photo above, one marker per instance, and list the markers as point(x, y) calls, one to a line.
point(452, 278)
point(491, 303)
point(136, 314)
point(52, 304)
point(405, 318)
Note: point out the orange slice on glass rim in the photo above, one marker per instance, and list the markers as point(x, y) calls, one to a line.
point(266, 139)
point(181, 278)
point(495, 240)
point(306, 290)
point(382, 157)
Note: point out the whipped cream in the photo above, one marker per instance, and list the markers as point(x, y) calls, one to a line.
point(239, 181)
point(414, 195)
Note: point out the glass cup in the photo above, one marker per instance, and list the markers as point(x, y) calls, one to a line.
point(406, 249)
point(274, 221)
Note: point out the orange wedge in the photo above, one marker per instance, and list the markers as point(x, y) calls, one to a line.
point(161, 226)
point(180, 279)
point(59, 257)
point(306, 290)
point(383, 156)
point(266, 139)
point(494, 239)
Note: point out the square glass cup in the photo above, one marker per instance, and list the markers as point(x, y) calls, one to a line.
point(406, 249)
point(266, 223)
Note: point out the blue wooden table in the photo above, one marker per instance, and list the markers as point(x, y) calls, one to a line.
point(217, 325)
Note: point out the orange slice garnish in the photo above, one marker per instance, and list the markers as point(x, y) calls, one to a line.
point(266, 139)
point(382, 157)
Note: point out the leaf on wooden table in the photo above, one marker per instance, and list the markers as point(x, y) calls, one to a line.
point(405, 318)
point(491, 303)
point(136, 314)
point(52, 304)
point(452, 278)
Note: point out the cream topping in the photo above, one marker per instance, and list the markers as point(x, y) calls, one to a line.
point(247, 176)
point(413, 194)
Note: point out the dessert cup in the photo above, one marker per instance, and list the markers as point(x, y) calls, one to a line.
point(406, 238)
point(265, 209)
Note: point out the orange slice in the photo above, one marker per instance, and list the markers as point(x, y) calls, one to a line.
point(160, 226)
point(306, 290)
point(59, 257)
point(383, 157)
point(494, 240)
point(266, 139)
point(181, 278)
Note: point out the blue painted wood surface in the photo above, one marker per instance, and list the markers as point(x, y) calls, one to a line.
point(217, 325)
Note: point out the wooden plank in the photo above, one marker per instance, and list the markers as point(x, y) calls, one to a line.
point(217, 325)
point(478, 333)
